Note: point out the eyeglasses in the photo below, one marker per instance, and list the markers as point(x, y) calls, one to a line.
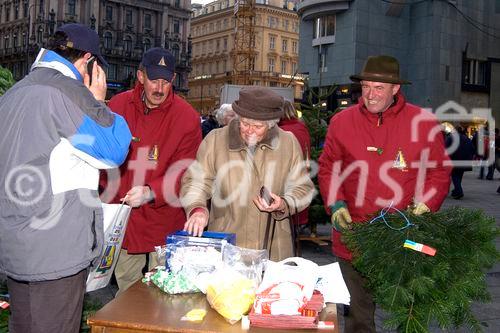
point(254, 126)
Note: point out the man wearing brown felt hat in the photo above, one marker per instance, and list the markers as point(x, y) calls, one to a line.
point(381, 153)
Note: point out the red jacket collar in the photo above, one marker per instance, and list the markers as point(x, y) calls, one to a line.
point(139, 103)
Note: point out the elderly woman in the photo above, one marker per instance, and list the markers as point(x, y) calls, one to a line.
point(225, 114)
point(232, 165)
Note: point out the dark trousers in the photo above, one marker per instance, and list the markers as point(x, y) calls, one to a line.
point(361, 317)
point(456, 178)
point(47, 306)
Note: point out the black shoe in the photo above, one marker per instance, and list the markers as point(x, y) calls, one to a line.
point(489, 178)
point(457, 197)
point(498, 190)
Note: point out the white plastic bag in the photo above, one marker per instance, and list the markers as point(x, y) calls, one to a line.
point(286, 288)
point(115, 223)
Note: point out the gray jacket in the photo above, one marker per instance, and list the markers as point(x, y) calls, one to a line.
point(54, 139)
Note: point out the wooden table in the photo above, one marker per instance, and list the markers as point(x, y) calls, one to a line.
point(145, 308)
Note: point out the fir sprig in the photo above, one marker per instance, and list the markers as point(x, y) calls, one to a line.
point(415, 289)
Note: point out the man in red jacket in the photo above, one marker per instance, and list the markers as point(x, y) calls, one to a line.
point(166, 135)
point(381, 152)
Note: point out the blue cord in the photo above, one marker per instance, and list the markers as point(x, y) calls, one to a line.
point(385, 211)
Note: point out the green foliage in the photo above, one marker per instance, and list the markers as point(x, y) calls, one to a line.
point(89, 308)
point(316, 118)
point(416, 289)
point(4, 314)
point(6, 80)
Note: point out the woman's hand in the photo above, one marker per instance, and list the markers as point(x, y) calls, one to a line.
point(277, 205)
point(197, 222)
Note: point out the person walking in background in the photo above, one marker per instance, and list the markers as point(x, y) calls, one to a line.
point(56, 134)
point(371, 160)
point(481, 143)
point(462, 153)
point(167, 133)
point(209, 124)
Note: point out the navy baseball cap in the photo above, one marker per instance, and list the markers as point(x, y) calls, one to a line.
point(158, 63)
point(81, 37)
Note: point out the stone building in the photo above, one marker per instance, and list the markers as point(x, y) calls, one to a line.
point(449, 50)
point(126, 30)
point(275, 50)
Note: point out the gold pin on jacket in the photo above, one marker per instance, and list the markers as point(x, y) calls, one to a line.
point(154, 153)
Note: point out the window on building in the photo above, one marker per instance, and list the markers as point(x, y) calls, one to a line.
point(127, 44)
point(283, 67)
point(109, 13)
point(108, 40)
point(225, 23)
point(270, 65)
point(285, 25)
point(71, 7)
point(272, 42)
point(284, 45)
point(147, 44)
point(176, 25)
point(295, 47)
point(273, 84)
point(128, 72)
point(128, 17)
point(176, 52)
point(474, 72)
point(324, 26)
point(217, 45)
point(497, 6)
point(111, 72)
point(225, 44)
point(7, 13)
point(41, 7)
point(294, 68)
point(25, 8)
point(217, 26)
point(210, 46)
point(177, 3)
point(6, 43)
point(147, 21)
point(16, 11)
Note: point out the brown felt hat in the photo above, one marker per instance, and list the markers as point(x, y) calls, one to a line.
point(259, 103)
point(381, 68)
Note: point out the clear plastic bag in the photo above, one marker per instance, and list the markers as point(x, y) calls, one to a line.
point(231, 289)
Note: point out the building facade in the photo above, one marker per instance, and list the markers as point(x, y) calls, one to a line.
point(449, 50)
point(275, 51)
point(126, 30)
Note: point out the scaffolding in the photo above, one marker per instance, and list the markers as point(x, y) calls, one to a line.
point(244, 41)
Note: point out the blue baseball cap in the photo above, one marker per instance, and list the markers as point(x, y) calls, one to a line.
point(81, 37)
point(158, 63)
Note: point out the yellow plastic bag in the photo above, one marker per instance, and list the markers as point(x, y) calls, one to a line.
point(231, 294)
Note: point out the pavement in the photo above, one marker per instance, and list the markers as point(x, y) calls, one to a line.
point(478, 194)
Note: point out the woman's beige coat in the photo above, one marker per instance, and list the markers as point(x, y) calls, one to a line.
point(231, 175)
